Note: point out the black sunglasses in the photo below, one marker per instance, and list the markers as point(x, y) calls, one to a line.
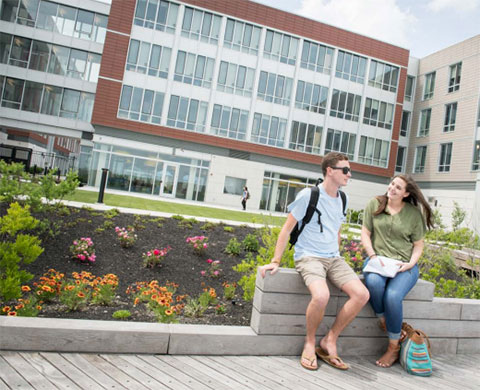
point(345, 170)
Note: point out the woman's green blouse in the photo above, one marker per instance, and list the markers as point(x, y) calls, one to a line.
point(393, 235)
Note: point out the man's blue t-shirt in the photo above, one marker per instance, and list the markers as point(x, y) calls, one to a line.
point(312, 242)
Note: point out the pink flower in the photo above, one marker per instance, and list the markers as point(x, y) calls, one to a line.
point(205, 245)
point(216, 262)
point(156, 252)
point(81, 257)
point(195, 246)
point(75, 242)
point(354, 258)
point(202, 273)
point(209, 261)
point(216, 273)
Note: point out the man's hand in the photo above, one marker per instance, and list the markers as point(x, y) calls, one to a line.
point(271, 266)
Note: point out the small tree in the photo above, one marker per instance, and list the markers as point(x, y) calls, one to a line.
point(458, 216)
point(16, 249)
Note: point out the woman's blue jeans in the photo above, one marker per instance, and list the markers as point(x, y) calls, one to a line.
point(386, 296)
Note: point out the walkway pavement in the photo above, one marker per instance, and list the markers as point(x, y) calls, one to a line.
point(31, 370)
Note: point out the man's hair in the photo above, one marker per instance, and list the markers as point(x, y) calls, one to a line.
point(331, 159)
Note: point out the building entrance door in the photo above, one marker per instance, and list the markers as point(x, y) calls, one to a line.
point(169, 184)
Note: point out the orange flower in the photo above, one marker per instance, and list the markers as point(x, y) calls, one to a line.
point(20, 306)
point(136, 301)
point(6, 309)
point(39, 307)
point(81, 295)
point(12, 313)
point(25, 288)
point(70, 287)
point(168, 312)
point(47, 289)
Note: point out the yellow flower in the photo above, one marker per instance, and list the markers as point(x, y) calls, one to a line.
point(168, 312)
point(25, 288)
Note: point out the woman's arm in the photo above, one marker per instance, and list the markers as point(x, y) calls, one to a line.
point(416, 253)
point(367, 242)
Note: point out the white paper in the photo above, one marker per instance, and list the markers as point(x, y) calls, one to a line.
point(389, 269)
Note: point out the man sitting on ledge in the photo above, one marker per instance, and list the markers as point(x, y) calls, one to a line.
point(317, 257)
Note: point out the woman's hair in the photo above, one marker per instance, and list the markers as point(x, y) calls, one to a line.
point(415, 198)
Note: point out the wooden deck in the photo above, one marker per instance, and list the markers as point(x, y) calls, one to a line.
point(32, 370)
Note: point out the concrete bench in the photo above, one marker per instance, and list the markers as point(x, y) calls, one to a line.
point(280, 301)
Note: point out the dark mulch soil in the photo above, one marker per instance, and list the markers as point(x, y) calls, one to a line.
point(180, 266)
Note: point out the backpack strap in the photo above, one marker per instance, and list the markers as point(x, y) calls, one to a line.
point(344, 202)
point(311, 208)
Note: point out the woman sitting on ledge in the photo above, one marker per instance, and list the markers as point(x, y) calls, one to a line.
point(394, 227)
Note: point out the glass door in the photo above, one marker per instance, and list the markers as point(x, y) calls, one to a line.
point(170, 175)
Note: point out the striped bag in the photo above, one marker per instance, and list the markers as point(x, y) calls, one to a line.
point(415, 356)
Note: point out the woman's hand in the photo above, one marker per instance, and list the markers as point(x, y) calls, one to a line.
point(405, 267)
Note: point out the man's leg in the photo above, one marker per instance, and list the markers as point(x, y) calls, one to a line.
point(358, 297)
point(315, 312)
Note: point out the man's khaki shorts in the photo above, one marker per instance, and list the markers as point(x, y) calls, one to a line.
point(319, 268)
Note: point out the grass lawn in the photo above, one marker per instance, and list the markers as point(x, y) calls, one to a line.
point(115, 200)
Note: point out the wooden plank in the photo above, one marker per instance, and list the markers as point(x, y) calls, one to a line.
point(324, 376)
point(37, 380)
point(146, 380)
point(11, 377)
point(197, 363)
point(72, 372)
point(179, 375)
point(264, 366)
point(209, 381)
point(258, 381)
point(92, 371)
point(160, 375)
point(49, 371)
point(114, 372)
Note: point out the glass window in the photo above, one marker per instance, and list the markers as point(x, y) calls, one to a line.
point(281, 47)
point(27, 12)
point(373, 151)
point(70, 102)
point(383, 76)
point(316, 57)
point(47, 14)
point(420, 158)
point(351, 67)
point(311, 97)
point(9, 10)
point(93, 67)
point(409, 87)
point(187, 113)
point(268, 130)
point(99, 28)
point(476, 156)
point(242, 36)
point(39, 56)
point(454, 79)
point(305, 137)
point(229, 122)
point(234, 185)
point(77, 63)
point(52, 98)
point(59, 60)
point(429, 86)
point(345, 105)
point(400, 163)
point(378, 113)
point(32, 96)
point(66, 18)
point(445, 157)
point(340, 141)
point(275, 88)
point(5, 45)
point(20, 51)
point(424, 128)
point(450, 117)
point(85, 108)
point(201, 25)
point(84, 24)
point(405, 125)
point(235, 79)
point(12, 93)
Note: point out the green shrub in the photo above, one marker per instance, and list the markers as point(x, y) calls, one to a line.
point(228, 229)
point(16, 249)
point(208, 226)
point(121, 314)
point(250, 243)
point(233, 248)
point(458, 215)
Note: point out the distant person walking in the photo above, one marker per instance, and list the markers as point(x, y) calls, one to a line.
point(245, 197)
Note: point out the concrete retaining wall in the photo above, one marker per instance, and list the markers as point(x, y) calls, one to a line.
point(277, 327)
point(280, 301)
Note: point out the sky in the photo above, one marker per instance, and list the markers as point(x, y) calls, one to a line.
point(422, 26)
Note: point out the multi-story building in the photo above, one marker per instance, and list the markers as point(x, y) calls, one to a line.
point(197, 98)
